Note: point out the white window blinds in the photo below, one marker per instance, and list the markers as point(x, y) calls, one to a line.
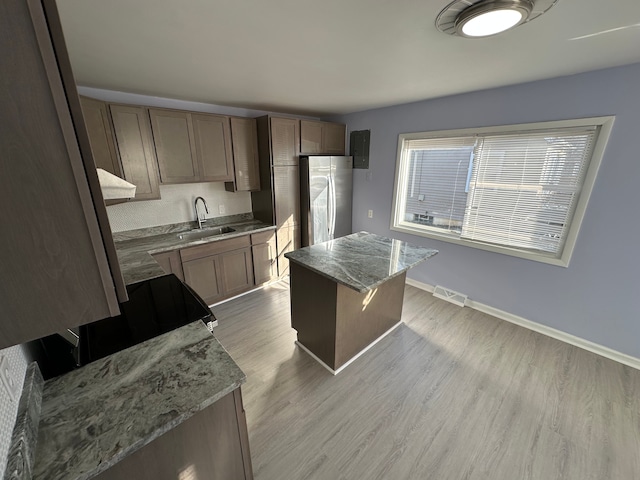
point(436, 181)
point(524, 187)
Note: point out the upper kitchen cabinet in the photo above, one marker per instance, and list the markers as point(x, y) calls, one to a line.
point(322, 138)
point(98, 123)
point(191, 147)
point(212, 135)
point(135, 147)
point(285, 140)
point(244, 139)
point(175, 147)
point(57, 253)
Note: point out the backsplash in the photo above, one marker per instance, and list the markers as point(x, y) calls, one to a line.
point(18, 362)
point(176, 206)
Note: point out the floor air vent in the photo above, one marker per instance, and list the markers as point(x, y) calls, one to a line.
point(449, 295)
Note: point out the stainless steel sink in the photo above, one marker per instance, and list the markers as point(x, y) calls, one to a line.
point(205, 232)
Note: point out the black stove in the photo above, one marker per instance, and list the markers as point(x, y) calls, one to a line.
point(155, 307)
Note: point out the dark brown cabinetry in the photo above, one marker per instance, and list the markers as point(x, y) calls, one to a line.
point(58, 259)
point(135, 147)
point(170, 262)
point(212, 137)
point(244, 139)
point(265, 260)
point(322, 138)
point(98, 123)
point(214, 441)
point(288, 240)
point(191, 147)
point(279, 200)
point(219, 269)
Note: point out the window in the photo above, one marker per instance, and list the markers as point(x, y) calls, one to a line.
point(521, 190)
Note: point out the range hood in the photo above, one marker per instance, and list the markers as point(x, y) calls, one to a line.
point(115, 188)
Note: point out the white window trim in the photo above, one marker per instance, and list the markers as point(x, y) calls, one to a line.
point(605, 123)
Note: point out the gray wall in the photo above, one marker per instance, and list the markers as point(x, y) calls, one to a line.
point(594, 298)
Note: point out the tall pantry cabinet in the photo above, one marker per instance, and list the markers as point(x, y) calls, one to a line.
point(279, 200)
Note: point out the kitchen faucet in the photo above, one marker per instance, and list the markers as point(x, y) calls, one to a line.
point(206, 209)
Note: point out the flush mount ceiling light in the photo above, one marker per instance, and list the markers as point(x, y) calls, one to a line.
point(484, 18)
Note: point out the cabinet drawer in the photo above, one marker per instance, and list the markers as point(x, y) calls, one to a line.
point(262, 237)
point(213, 248)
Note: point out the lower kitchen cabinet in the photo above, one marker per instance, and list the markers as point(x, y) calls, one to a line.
point(265, 259)
point(212, 444)
point(170, 262)
point(204, 276)
point(220, 269)
point(237, 271)
point(288, 240)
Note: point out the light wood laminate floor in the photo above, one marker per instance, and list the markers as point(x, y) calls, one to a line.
point(451, 394)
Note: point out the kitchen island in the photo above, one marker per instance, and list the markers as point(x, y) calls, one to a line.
point(347, 294)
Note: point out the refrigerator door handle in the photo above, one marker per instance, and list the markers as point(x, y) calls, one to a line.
point(333, 210)
point(329, 206)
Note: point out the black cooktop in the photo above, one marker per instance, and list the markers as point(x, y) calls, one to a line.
point(155, 307)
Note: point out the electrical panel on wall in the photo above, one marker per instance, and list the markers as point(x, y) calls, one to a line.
point(359, 148)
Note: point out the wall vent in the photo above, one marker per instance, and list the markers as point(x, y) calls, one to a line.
point(456, 298)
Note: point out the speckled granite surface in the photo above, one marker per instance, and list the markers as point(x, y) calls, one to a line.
point(362, 260)
point(134, 254)
point(181, 227)
point(25, 432)
point(95, 416)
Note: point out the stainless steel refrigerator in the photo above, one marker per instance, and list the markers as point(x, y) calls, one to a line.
point(326, 191)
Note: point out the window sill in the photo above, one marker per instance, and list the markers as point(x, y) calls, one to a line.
point(513, 252)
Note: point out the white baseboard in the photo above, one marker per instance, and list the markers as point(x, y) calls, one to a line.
point(354, 358)
point(543, 329)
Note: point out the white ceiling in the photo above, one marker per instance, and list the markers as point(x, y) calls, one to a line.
point(329, 56)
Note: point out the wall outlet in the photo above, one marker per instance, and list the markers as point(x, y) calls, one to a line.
point(369, 176)
point(7, 380)
point(370, 214)
point(222, 209)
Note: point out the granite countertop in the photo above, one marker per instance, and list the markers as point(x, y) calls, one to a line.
point(134, 254)
point(93, 417)
point(362, 260)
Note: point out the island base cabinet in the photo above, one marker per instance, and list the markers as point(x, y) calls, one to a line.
point(335, 322)
point(212, 445)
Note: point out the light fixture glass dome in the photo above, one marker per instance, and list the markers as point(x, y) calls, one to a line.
point(490, 17)
point(491, 23)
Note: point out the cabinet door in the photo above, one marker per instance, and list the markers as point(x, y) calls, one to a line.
point(286, 189)
point(170, 262)
point(265, 261)
point(213, 444)
point(53, 256)
point(244, 139)
point(288, 240)
point(236, 271)
point(204, 276)
point(334, 138)
point(174, 144)
point(98, 123)
point(212, 136)
point(285, 141)
point(310, 137)
point(135, 146)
